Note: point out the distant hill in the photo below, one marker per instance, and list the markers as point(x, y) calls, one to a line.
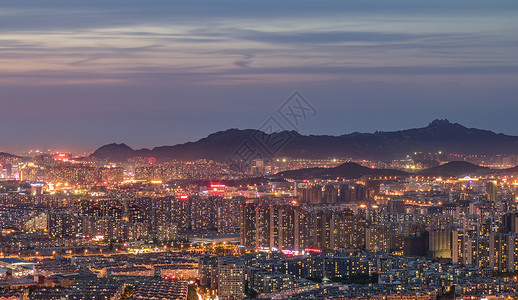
point(513, 170)
point(439, 135)
point(455, 169)
point(118, 152)
point(5, 154)
point(347, 170)
point(352, 171)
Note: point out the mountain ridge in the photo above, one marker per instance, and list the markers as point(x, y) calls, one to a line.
point(455, 169)
point(351, 170)
point(439, 135)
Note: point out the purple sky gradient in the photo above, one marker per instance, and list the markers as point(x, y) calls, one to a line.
point(75, 75)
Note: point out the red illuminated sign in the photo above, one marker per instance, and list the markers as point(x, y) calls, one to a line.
point(313, 250)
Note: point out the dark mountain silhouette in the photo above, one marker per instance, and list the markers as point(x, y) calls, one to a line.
point(513, 170)
point(118, 152)
point(455, 169)
point(347, 170)
point(439, 135)
point(5, 154)
point(352, 171)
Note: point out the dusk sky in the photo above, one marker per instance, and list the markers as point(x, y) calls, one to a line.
point(75, 75)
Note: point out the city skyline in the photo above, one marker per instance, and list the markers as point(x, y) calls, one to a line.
point(231, 150)
point(77, 76)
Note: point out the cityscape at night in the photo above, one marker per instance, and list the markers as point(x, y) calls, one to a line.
point(233, 150)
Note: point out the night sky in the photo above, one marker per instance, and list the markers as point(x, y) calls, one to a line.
point(75, 75)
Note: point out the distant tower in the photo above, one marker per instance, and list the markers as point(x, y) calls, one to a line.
point(492, 190)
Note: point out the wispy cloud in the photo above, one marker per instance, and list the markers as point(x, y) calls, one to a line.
point(183, 51)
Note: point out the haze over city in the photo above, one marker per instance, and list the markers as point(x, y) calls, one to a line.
point(75, 76)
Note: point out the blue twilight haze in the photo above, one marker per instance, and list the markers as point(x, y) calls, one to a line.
point(79, 74)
